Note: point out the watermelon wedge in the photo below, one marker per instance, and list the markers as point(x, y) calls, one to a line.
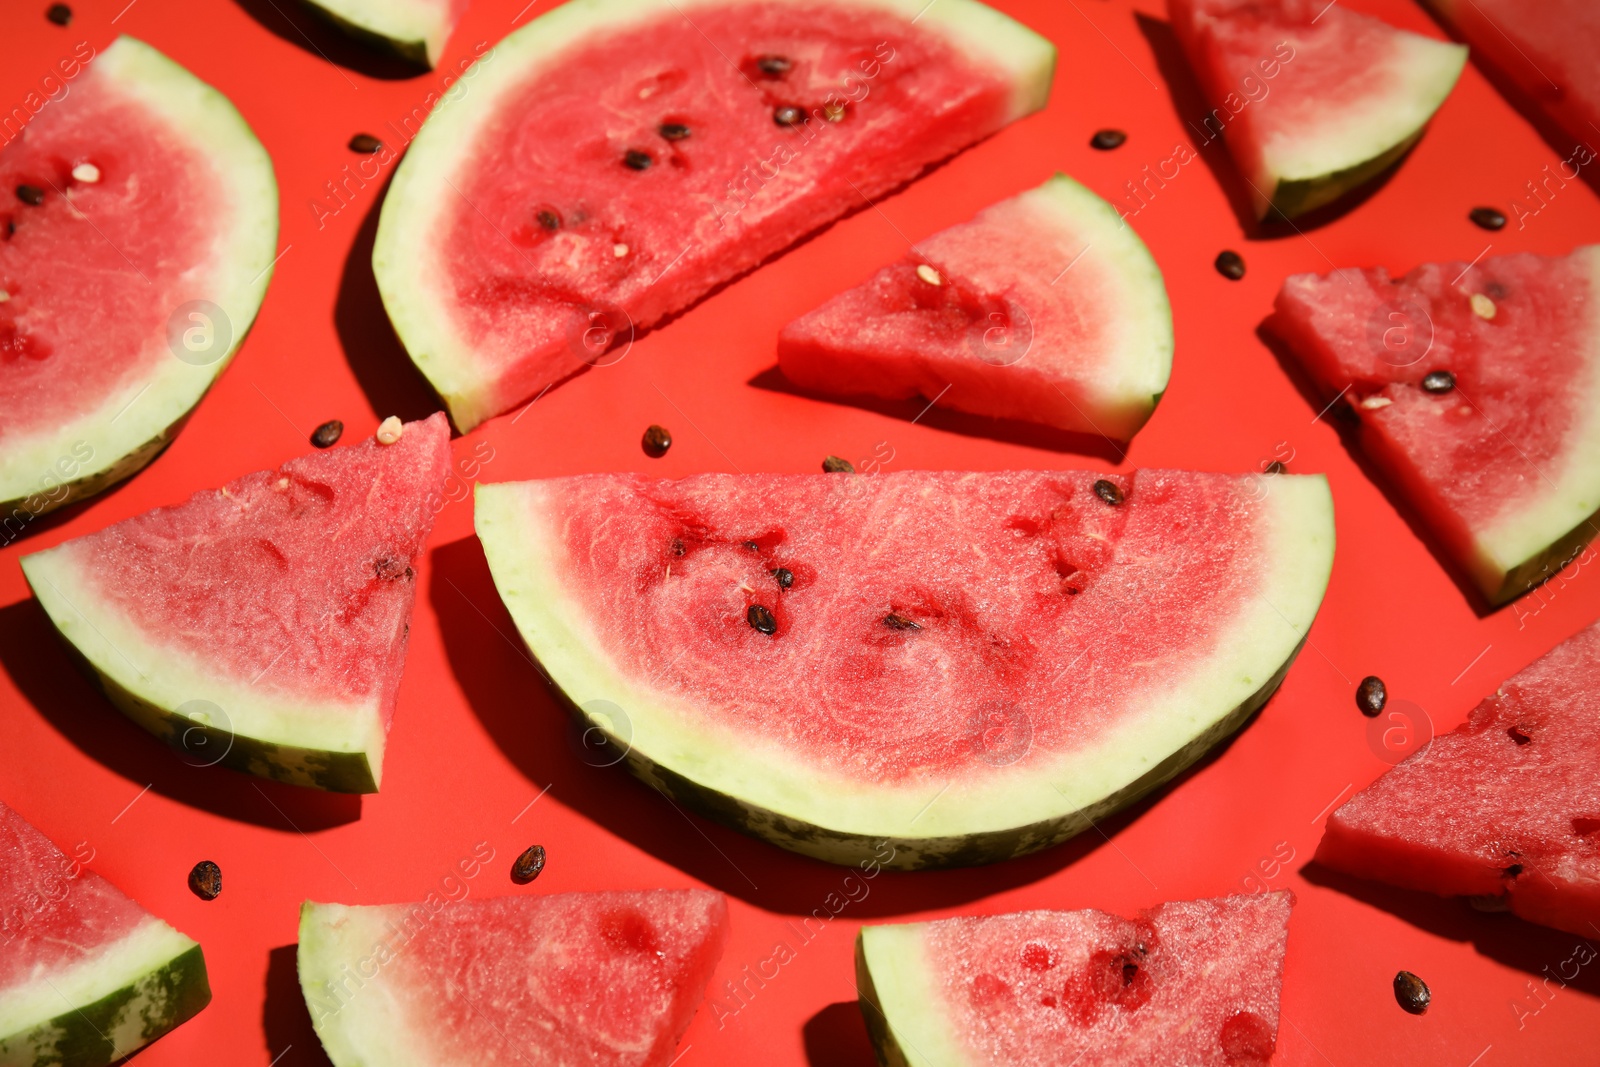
point(619, 159)
point(965, 666)
point(1193, 983)
point(139, 216)
point(1313, 99)
point(1506, 806)
point(261, 626)
point(86, 975)
point(597, 979)
point(1477, 390)
point(1046, 307)
point(411, 29)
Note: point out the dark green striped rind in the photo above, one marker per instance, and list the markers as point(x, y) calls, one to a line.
point(890, 1054)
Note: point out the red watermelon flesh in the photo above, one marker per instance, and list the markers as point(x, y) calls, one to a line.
point(1503, 465)
point(284, 594)
point(616, 162)
point(1507, 805)
point(594, 979)
point(1192, 983)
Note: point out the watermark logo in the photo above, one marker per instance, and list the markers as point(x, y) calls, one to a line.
point(208, 738)
point(1003, 337)
point(1403, 730)
point(199, 333)
point(1400, 332)
point(1001, 733)
point(605, 736)
point(601, 334)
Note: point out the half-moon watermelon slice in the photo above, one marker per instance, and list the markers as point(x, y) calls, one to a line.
point(1193, 983)
point(87, 976)
point(592, 979)
point(261, 626)
point(1312, 99)
point(138, 215)
point(412, 29)
point(966, 666)
point(1504, 807)
point(1046, 307)
point(1477, 390)
point(616, 160)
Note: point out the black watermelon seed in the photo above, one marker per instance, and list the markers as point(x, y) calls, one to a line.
point(1277, 467)
point(1411, 992)
point(677, 547)
point(784, 576)
point(1439, 381)
point(673, 131)
point(60, 14)
point(656, 441)
point(528, 865)
point(1487, 217)
point(773, 66)
point(1108, 492)
point(30, 194)
point(835, 465)
point(1371, 696)
point(752, 546)
point(788, 116)
point(761, 619)
point(899, 622)
point(365, 142)
point(548, 219)
point(1519, 735)
point(1513, 870)
point(1230, 264)
point(1106, 140)
point(327, 435)
point(206, 880)
point(634, 159)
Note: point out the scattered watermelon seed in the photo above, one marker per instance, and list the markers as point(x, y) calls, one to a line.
point(1482, 306)
point(761, 619)
point(327, 435)
point(899, 622)
point(206, 880)
point(1277, 467)
point(4, 296)
point(1374, 403)
point(1371, 696)
point(834, 112)
point(548, 219)
point(835, 465)
point(1438, 381)
point(389, 430)
point(1513, 870)
point(1519, 735)
point(655, 443)
point(673, 131)
point(1108, 491)
point(1230, 264)
point(30, 194)
point(634, 159)
point(365, 142)
point(773, 66)
point(928, 274)
point(788, 116)
point(528, 865)
point(677, 547)
point(87, 173)
point(1487, 217)
point(751, 546)
point(784, 576)
point(60, 14)
point(1411, 992)
point(619, 250)
point(1106, 140)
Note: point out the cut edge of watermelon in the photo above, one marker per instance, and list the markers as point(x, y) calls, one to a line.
point(794, 805)
point(422, 188)
point(323, 745)
point(413, 31)
point(354, 1029)
point(893, 982)
point(105, 1008)
point(132, 427)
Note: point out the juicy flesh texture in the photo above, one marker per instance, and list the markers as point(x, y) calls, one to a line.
point(94, 271)
point(298, 581)
point(564, 244)
point(1524, 378)
point(1506, 804)
point(1193, 983)
point(1001, 330)
point(1030, 616)
point(53, 914)
point(592, 979)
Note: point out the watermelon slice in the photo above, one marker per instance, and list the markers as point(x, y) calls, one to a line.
point(412, 29)
point(1046, 307)
point(138, 217)
point(965, 666)
point(1315, 99)
point(86, 975)
point(1477, 390)
point(1506, 806)
point(262, 625)
point(598, 979)
point(1193, 983)
point(619, 159)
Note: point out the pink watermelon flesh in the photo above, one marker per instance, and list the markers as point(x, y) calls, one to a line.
point(1507, 805)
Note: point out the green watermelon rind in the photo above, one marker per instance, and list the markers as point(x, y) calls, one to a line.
point(798, 807)
point(128, 995)
point(336, 961)
point(413, 32)
point(132, 427)
point(898, 998)
point(423, 191)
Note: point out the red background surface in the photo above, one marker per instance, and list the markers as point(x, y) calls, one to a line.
point(477, 739)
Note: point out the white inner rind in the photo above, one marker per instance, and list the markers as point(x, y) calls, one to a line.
point(169, 678)
point(413, 25)
point(527, 553)
point(354, 1011)
point(246, 232)
point(909, 996)
point(424, 195)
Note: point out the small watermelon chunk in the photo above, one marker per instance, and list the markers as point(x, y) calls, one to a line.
point(412, 29)
point(615, 161)
point(261, 626)
point(1312, 99)
point(1046, 307)
point(138, 218)
point(1477, 390)
point(1506, 806)
point(87, 976)
point(1193, 983)
point(961, 667)
point(571, 980)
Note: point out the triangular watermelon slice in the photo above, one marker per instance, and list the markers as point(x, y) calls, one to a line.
point(916, 668)
point(613, 161)
point(412, 29)
point(1312, 99)
point(1505, 806)
point(261, 626)
point(599, 979)
point(1046, 307)
point(87, 976)
point(1477, 390)
point(1193, 983)
point(138, 224)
